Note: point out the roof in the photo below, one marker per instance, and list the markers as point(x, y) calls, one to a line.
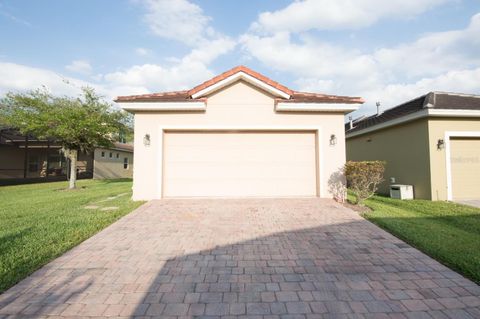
point(429, 101)
point(11, 136)
point(188, 95)
point(122, 146)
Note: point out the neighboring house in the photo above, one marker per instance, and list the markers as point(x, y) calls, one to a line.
point(239, 134)
point(115, 162)
point(431, 142)
point(29, 159)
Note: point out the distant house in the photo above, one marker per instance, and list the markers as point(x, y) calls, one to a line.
point(431, 142)
point(28, 159)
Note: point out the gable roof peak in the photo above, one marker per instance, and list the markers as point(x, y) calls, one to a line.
point(231, 76)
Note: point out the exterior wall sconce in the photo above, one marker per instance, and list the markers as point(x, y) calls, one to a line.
point(440, 144)
point(146, 140)
point(333, 140)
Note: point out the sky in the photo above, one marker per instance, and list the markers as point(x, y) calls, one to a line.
point(387, 51)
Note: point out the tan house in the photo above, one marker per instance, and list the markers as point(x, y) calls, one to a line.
point(28, 159)
point(115, 162)
point(431, 142)
point(238, 134)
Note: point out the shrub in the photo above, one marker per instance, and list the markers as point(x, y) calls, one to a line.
point(363, 178)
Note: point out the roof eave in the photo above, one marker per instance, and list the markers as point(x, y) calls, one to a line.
point(132, 107)
point(316, 107)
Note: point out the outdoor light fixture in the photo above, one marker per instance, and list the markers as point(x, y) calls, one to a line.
point(440, 144)
point(333, 140)
point(146, 140)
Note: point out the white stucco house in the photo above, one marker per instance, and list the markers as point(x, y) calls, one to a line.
point(238, 134)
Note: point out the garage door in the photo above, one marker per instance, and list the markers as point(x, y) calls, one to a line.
point(465, 166)
point(230, 164)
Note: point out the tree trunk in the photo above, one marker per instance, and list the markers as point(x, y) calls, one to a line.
point(72, 155)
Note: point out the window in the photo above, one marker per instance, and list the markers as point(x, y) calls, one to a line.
point(110, 155)
point(103, 154)
point(118, 155)
point(125, 163)
point(33, 164)
point(57, 165)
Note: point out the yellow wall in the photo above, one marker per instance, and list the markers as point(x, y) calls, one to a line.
point(404, 148)
point(107, 168)
point(437, 128)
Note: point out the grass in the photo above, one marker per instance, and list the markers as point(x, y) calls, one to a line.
point(446, 231)
point(39, 222)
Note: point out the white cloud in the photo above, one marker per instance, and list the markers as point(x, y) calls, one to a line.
point(173, 19)
point(143, 51)
point(460, 81)
point(29, 78)
point(309, 57)
point(392, 94)
point(79, 66)
point(435, 53)
point(182, 21)
point(178, 74)
point(338, 14)
point(437, 61)
point(178, 20)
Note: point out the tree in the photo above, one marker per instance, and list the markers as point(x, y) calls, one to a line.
point(77, 124)
point(363, 178)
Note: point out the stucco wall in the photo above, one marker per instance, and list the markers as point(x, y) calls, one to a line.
point(239, 105)
point(437, 128)
point(404, 148)
point(108, 168)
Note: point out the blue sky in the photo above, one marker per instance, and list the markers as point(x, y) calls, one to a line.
point(389, 51)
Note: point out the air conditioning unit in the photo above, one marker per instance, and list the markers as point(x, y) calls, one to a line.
point(398, 191)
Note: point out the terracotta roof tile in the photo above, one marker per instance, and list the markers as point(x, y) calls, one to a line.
point(174, 96)
point(308, 97)
point(186, 96)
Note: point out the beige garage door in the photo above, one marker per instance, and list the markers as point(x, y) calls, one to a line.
point(465, 161)
point(230, 164)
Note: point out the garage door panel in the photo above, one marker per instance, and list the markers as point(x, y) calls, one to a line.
point(234, 171)
point(230, 188)
point(465, 168)
point(239, 164)
point(250, 154)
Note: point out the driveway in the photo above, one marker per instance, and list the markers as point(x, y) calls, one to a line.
point(284, 258)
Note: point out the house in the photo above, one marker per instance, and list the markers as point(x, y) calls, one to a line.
point(239, 134)
point(114, 162)
point(431, 142)
point(28, 159)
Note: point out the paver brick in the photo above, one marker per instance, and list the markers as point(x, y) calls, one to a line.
point(243, 258)
point(258, 308)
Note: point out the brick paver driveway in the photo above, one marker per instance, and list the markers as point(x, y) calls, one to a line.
point(288, 258)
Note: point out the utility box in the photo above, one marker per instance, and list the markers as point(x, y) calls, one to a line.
point(398, 191)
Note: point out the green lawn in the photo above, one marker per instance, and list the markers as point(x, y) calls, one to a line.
point(446, 231)
point(39, 222)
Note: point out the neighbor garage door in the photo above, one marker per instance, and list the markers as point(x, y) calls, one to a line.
point(223, 164)
point(465, 167)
